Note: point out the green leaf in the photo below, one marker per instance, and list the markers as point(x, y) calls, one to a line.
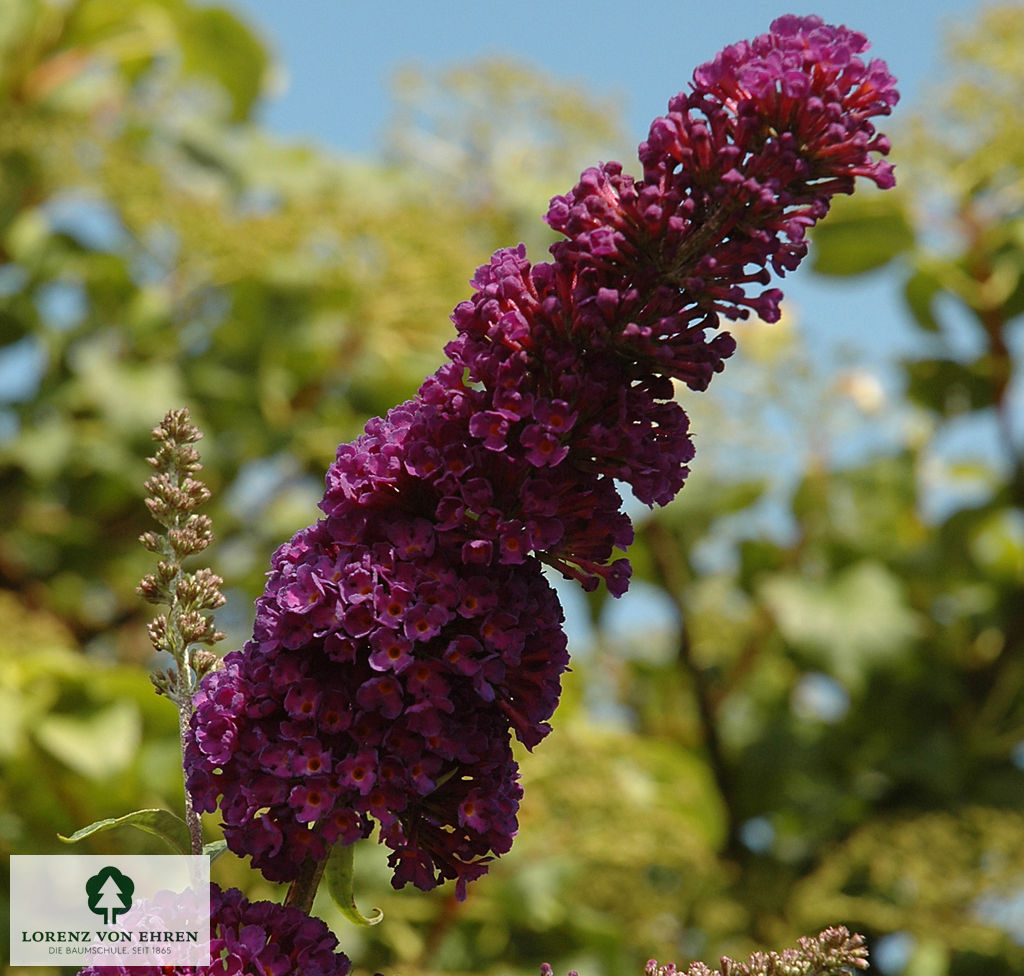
point(339, 875)
point(850, 623)
point(169, 827)
point(951, 388)
point(930, 958)
point(214, 849)
point(919, 292)
point(98, 745)
point(997, 543)
point(860, 236)
point(219, 45)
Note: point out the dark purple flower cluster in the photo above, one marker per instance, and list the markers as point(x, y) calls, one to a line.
point(254, 939)
point(381, 683)
point(405, 636)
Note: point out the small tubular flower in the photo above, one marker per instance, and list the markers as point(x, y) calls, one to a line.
point(417, 605)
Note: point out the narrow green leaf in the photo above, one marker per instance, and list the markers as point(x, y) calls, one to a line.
point(171, 829)
point(339, 875)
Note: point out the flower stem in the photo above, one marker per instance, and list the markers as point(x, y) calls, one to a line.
point(192, 818)
point(303, 888)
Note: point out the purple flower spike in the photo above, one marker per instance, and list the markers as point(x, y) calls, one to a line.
point(407, 635)
point(254, 937)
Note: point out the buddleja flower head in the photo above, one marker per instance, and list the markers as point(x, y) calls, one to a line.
point(405, 636)
point(254, 939)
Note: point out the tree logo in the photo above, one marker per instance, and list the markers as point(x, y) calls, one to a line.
point(110, 893)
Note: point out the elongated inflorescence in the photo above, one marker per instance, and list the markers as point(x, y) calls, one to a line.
point(173, 494)
point(833, 952)
point(406, 635)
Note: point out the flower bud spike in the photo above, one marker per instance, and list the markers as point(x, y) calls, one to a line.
point(174, 493)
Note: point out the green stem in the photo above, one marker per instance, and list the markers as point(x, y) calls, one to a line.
point(185, 709)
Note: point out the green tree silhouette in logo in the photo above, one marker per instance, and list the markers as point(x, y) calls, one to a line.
point(110, 893)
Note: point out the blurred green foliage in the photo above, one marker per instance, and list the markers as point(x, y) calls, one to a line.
point(809, 709)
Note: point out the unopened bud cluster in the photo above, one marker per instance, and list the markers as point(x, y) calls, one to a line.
point(173, 495)
point(834, 952)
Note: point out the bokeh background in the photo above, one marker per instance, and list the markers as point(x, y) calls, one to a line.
point(808, 709)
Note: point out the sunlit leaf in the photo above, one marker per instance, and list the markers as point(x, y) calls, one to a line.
point(219, 45)
point(857, 619)
point(860, 235)
point(98, 745)
point(998, 544)
point(215, 849)
point(171, 829)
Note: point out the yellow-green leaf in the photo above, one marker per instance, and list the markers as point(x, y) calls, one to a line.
point(171, 829)
point(339, 877)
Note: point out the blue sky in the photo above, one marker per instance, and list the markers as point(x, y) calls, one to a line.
point(338, 56)
point(337, 59)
